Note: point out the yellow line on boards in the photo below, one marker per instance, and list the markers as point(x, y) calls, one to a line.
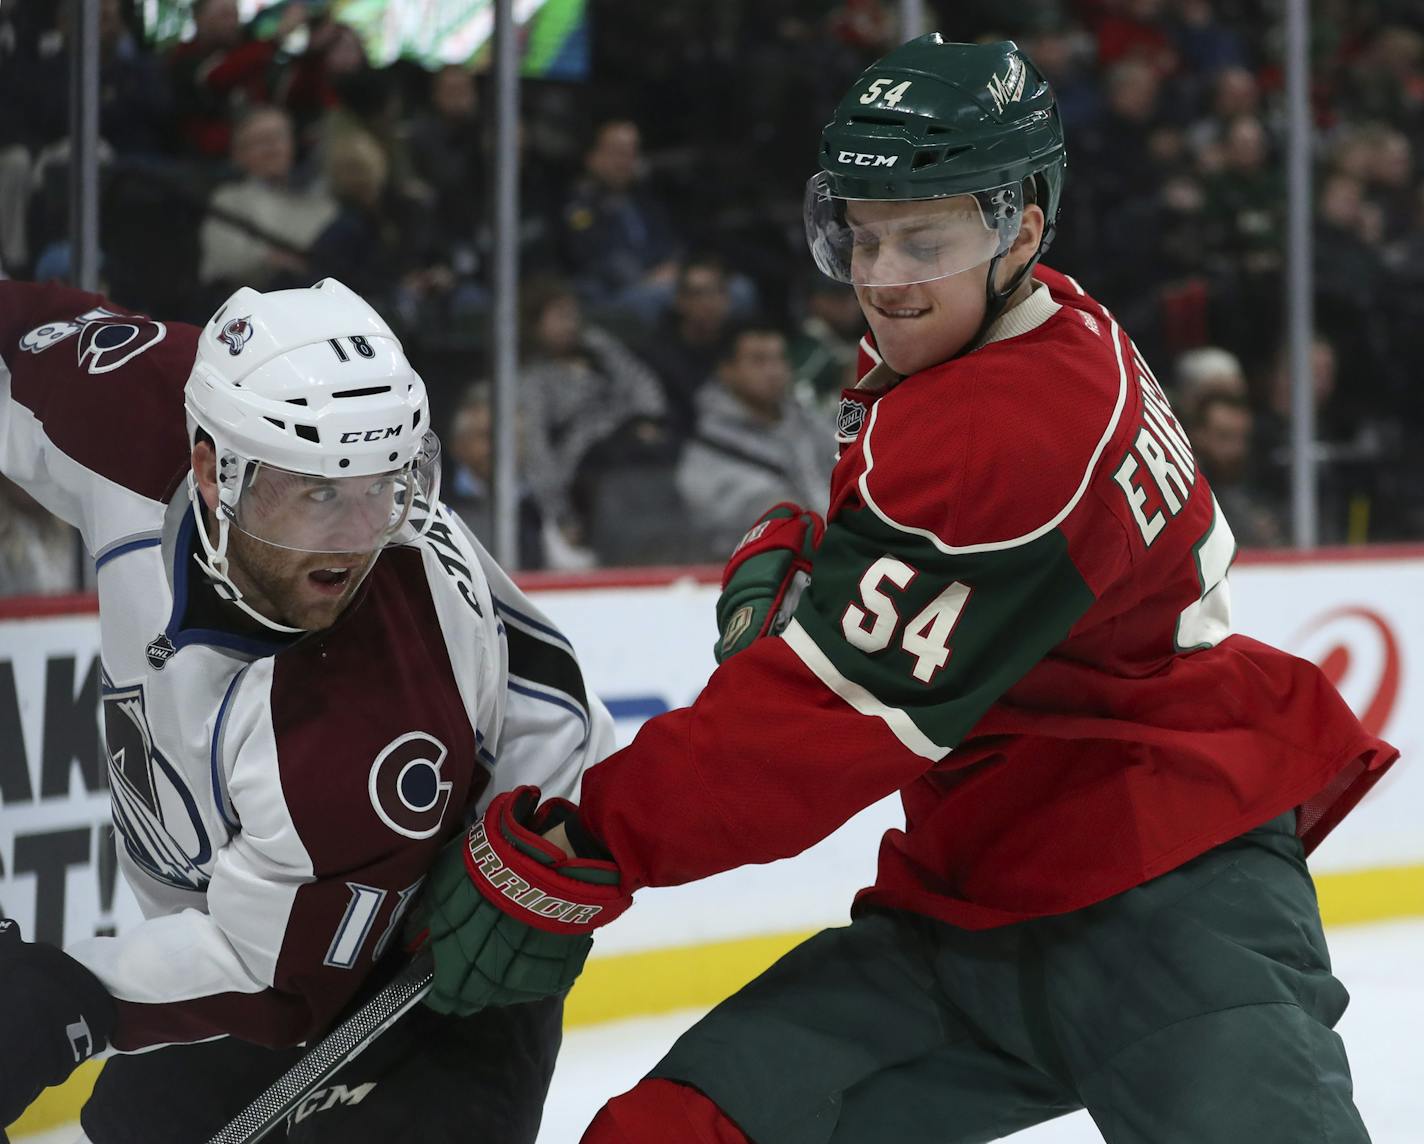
point(1371, 895)
point(664, 980)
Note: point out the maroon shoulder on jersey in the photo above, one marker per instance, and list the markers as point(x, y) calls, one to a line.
point(994, 445)
point(106, 384)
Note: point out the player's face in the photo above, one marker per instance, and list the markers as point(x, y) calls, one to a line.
point(306, 590)
point(920, 324)
point(300, 546)
point(305, 542)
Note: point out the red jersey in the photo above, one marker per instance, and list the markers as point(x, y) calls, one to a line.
point(1019, 618)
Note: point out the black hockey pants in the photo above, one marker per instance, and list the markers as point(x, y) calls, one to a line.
point(427, 1080)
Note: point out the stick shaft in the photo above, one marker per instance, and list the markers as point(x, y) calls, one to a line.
point(338, 1047)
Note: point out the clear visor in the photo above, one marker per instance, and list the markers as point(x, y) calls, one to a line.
point(878, 242)
point(353, 515)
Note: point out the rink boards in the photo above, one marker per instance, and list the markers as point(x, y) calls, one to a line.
point(645, 643)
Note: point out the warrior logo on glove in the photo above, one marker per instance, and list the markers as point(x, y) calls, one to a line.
point(520, 892)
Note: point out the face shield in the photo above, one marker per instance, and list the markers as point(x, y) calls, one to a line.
point(304, 512)
point(896, 242)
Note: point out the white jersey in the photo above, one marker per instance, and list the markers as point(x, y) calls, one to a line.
point(277, 802)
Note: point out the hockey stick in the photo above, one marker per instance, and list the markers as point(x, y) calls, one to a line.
point(339, 1046)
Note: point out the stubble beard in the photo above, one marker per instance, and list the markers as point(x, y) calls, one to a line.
point(273, 581)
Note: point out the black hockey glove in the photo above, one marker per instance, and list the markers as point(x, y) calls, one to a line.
point(54, 1014)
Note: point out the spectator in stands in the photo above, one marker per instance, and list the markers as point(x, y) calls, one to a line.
point(1122, 166)
point(38, 551)
point(587, 403)
point(1390, 181)
point(1234, 93)
point(267, 197)
point(15, 185)
point(469, 489)
point(1205, 46)
point(221, 71)
point(367, 102)
point(380, 243)
point(617, 237)
point(683, 347)
point(825, 348)
point(1245, 219)
point(1064, 55)
point(1220, 429)
point(135, 106)
point(446, 155)
point(1208, 371)
point(1344, 455)
point(755, 444)
point(1135, 29)
point(1348, 265)
point(308, 87)
point(1386, 79)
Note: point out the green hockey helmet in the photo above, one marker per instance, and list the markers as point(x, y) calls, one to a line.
point(933, 121)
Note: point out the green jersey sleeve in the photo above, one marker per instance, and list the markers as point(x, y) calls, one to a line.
point(934, 636)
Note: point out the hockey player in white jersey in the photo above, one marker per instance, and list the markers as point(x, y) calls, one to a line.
point(312, 675)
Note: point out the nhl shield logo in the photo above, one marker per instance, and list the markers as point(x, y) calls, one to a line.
point(237, 333)
point(160, 651)
point(849, 418)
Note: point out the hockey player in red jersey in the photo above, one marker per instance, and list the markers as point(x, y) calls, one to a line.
point(313, 676)
point(1018, 617)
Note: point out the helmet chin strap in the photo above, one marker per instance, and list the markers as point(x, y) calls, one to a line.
point(995, 301)
point(213, 561)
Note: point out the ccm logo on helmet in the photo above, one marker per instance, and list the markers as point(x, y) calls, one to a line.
point(867, 160)
point(355, 435)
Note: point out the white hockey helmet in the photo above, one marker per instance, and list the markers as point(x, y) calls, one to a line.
point(319, 423)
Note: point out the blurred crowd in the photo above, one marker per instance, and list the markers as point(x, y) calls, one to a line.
point(679, 359)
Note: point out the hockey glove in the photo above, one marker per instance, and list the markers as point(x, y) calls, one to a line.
point(54, 1014)
point(765, 577)
point(509, 916)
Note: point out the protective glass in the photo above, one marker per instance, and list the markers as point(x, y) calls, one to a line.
point(896, 242)
point(310, 513)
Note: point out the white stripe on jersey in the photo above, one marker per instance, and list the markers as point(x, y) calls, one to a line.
point(902, 726)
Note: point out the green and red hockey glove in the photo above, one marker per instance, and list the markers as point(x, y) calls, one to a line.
point(509, 916)
point(766, 576)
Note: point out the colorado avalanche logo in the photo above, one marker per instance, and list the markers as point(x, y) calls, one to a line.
point(237, 333)
point(405, 786)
